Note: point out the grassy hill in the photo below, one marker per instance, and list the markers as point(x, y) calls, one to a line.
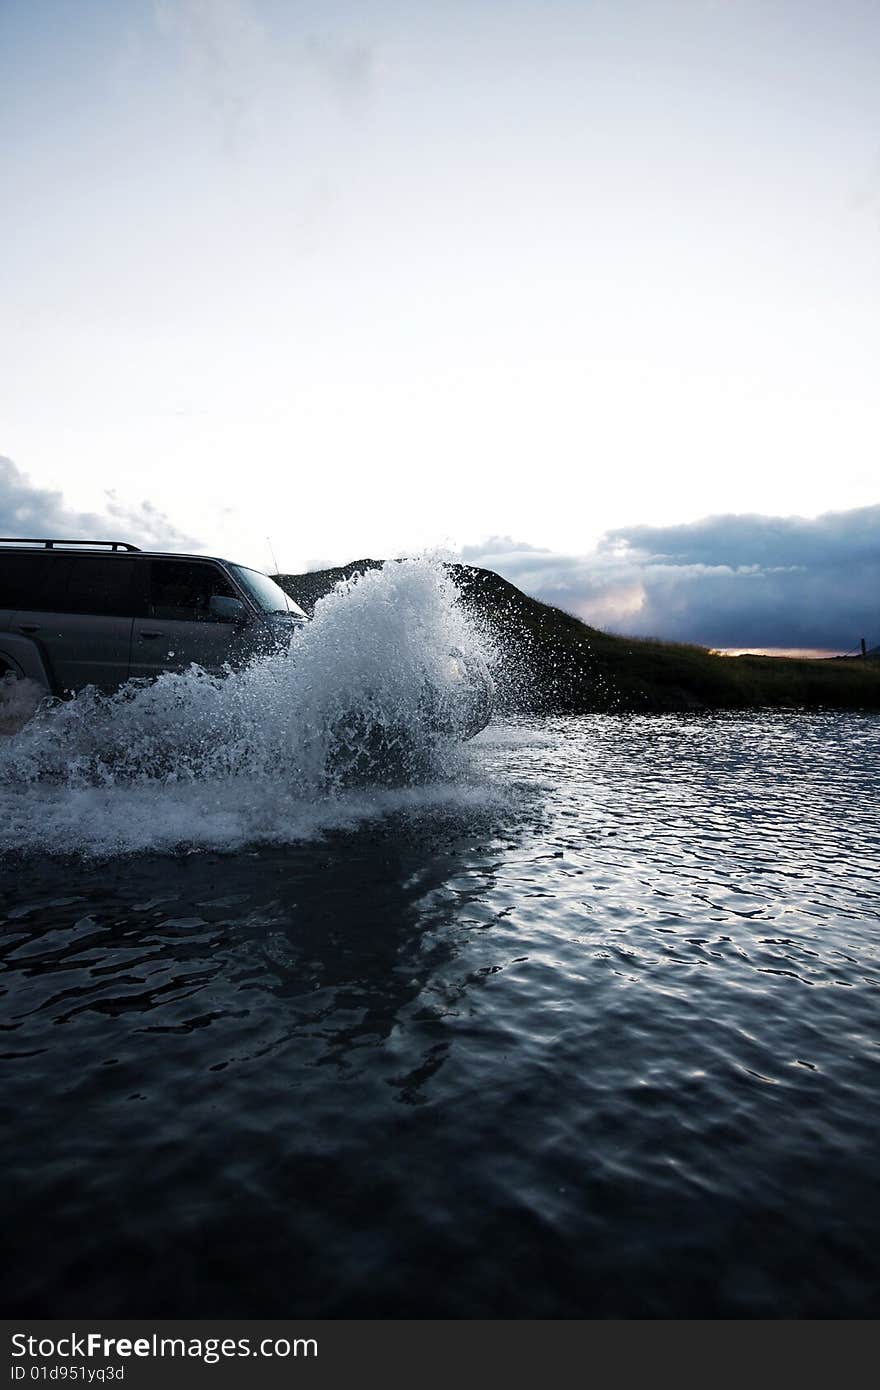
point(551, 662)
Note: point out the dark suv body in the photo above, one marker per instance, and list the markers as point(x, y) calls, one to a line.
point(99, 613)
point(76, 613)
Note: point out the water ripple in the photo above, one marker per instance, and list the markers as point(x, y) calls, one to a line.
point(591, 1033)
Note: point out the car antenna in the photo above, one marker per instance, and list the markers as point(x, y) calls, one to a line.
point(275, 571)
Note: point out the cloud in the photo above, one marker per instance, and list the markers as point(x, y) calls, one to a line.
point(725, 581)
point(226, 49)
point(237, 58)
point(28, 510)
point(348, 64)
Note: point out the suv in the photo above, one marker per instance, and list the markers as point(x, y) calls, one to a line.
point(77, 613)
point(99, 613)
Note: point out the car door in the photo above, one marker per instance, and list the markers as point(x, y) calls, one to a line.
point(80, 615)
point(180, 629)
point(22, 583)
point(21, 574)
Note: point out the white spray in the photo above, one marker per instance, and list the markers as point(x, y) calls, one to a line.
point(198, 759)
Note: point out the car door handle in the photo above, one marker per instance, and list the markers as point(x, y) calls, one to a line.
point(28, 627)
point(149, 636)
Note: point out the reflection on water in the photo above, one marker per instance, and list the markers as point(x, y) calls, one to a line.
point(592, 1032)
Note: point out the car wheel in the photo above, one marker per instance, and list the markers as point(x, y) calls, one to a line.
point(19, 698)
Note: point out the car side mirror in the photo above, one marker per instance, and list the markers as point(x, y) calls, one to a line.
point(226, 610)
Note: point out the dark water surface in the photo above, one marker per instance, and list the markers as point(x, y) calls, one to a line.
point(603, 1042)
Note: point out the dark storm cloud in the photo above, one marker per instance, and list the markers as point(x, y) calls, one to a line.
point(772, 541)
point(27, 510)
point(725, 581)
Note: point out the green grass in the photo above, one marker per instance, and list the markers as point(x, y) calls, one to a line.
point(552, 662)
point(663, 675)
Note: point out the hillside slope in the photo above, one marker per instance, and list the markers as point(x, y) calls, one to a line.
point(551, 662)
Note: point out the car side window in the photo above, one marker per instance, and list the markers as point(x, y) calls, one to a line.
point(101, 585)
point(23, 579)
point(181, 590)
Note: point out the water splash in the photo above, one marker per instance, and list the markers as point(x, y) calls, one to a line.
point(18, 703)
point(367, 695)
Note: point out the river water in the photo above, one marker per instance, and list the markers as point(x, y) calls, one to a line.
point(580, 1021)
point(588, 1029)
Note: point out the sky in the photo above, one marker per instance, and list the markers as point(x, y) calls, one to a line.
point(589, 290)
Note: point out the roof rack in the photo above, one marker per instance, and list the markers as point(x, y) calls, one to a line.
point(51, 544)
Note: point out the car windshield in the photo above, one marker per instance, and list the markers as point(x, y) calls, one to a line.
point(264, 591)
